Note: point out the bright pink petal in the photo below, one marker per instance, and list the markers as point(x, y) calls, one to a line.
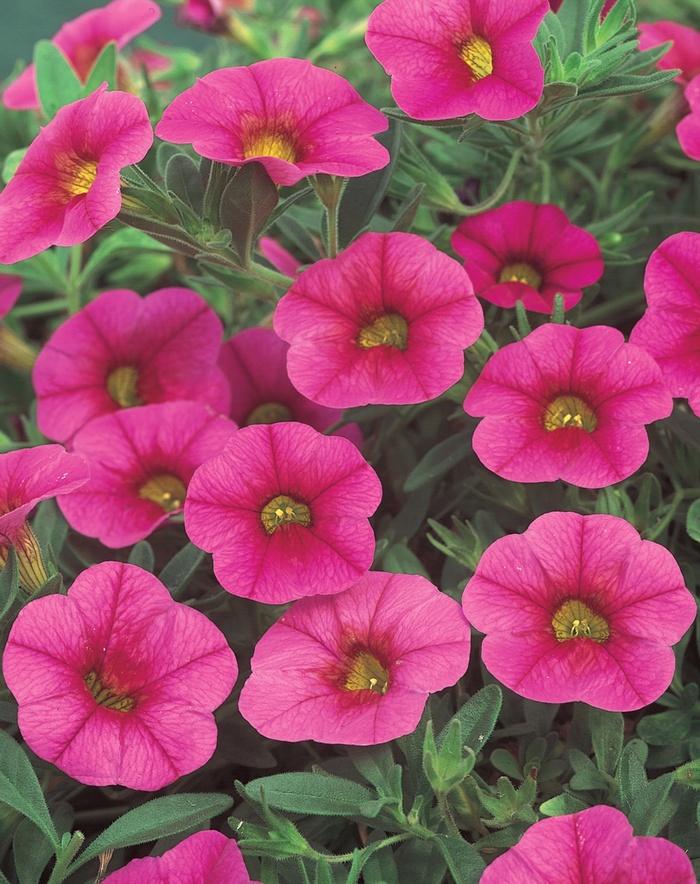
point(10, 290)
point(683, 54)
point(688, 130)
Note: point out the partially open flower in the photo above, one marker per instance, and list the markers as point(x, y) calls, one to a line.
point(116, 683)
point(122, 350)
point(14, 352)
point(141, 461)
point(292, 117)
point(580, 608)
point(688, 130)
point(356, 668)
point(683, 54)
point(210, 15)
point(284, 510)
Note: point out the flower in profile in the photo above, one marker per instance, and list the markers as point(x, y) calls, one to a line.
point(122, 350)
point(688, 130)
point(82, 40)
point(567, 403)
point(255, 364)
point(450, 58)
point(530, 253)
point(597, 845)
point(580, 608)
point(116, 682)
point(210, 15)
point(28, 476)
point(386, 322)
point(356, 668)
point(14, 351)
point(205, 858)
point(607, 6)
point(292, 117)
point(141, 461)
point(670, 328)
point(683, 54)
point(278, 256)
point(284, 510)
point(68, 184)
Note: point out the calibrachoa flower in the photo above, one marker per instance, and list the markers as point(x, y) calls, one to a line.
point(597, 846)
point(688, 130)
point(204, 858)
point(83, 39)
point(670, 327)
point(580, 608)
point(123, 350)
point(284, 510)
point(68, 185)
point(14, 352)
point(683, 54)
point(210, 14)
point(530, 253)
point(356, 668)
point(386, 322)
point(292, 117)
point(567, 403)
point(28, 476)
point(116, 682)
point(450, 58)
point(278, 256)
point(608, 5)
point(141, 461)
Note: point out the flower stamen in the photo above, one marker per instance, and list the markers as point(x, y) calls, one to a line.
point(521, 272)
point(75, 175)
point(574, 619)
point(476, 53)
point(366, 673)
point(569, 412)
point(387, 330)
point(270, 144)
point(269, 413)
point(166, 490)
point(283, 510)
point(106, 696)
point(123, 386)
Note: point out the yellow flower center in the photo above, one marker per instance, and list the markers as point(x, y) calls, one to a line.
point(30, 562)
point(366, 673)
point(75, 175)
point(387, 330)
point(476, 53)
point(283, 510)
point(569, 412)
point(270, 144)
point(123, 386)
point(166, 490)
point(107, 697)
point(574, 619)
point(521, 272)
point(269, 413)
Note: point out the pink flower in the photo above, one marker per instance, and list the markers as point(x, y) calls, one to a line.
point(284, 510)
point(209, 14)
point(530, 253)
point(28, 476)
point(387, 322)
point(285, 113)
point(10, 290)
point(556, 6)
point(116, 683)
point(688, 130)
point(255, 364)
point(123, 350)
point(67, 186)
point(450, 58)
point(278, 256)
point(356, 668)
point(204, 858)
point(596, 846)
point(141, 462)
point(683, 54)
point(15, 352)
point(83, 39)
point(580, 608)
point(567, 403)
point(670, 328)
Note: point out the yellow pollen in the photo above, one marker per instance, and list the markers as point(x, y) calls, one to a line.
point(269, 413)
point(387, 330)
point(75, 175)
point(283, 510)
point(270, 144)
point(107, 697)
point(569, 413)
point(166, 490)
point(521, 272)
point(476, 53)
point(574, 619)
point(123, 386)
point(366, 673)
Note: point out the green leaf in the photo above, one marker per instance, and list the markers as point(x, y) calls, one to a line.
point(104, 70)
point(420, 861)
point(20, 789)
point(631, 775)
point(246, 204)
point(9, 583)
point(32, 851)
point(688, 774)
point(464, 863)
point(399, 559)
point(607, 734)
point(477, 717)
point(438, 461)
point(314, 794)
point(12, 160)
point(57, 83)
point(183, 179)
point(665, 728)
point(177, 573)
point(562, 804)
point(142, 555)
point(586, 774)
point(692, 521)
point(408, 209)
point(652, 807)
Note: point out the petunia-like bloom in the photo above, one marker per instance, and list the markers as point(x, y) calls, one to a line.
point(210, 15)
point(123, 350)
point(567, 403)
point(255, 364)
point(670, 327)
point(688, 130)
point(285, 511)
point(356, 668)
point(28, 476)
point(68, 184)
point(386, 322)
point(450, 58)
point(607, 6)
point(116, 682)
point(278, 256)
point(141, 461)
point(683, 54)
point(14, 351)
point(82, 40)
point(580, 608)
point(292, 117)
point(203, 858)
point(530, 253)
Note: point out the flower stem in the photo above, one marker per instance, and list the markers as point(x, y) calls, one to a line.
point(75, 261)
point(64, 858)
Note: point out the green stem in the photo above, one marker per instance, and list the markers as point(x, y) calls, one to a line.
point(40, 308)
point(75, 261)
point(271, 276)
point(348, 857)
point(446, 813)
point(64, 858)
point(499, 192)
